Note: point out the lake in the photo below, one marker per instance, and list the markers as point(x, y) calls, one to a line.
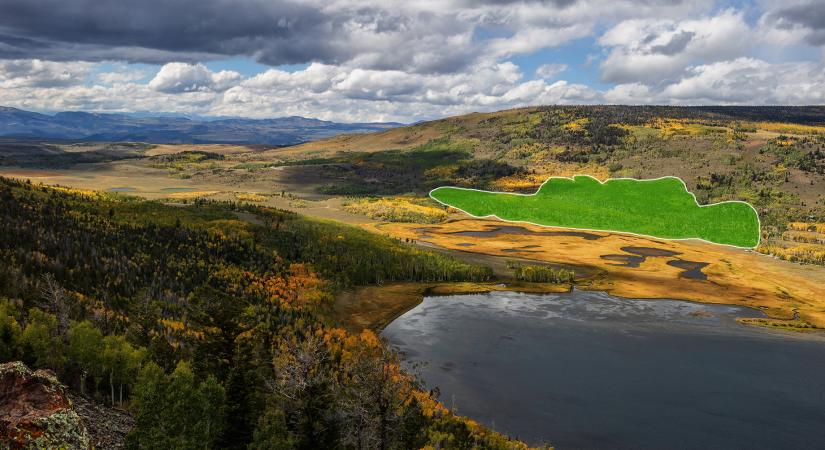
point(588, 370)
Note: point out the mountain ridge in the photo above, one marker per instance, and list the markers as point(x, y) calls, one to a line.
point(160, 129)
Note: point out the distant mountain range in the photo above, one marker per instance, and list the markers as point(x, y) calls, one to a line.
point(84, 126)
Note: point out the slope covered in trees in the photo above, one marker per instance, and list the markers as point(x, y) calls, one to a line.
point(213, 331)
point(770, 157)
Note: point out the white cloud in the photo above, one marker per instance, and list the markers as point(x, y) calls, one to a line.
point(548, 71)
point(128, 76)
point(629, 94)
point(182, 77)
point(743, 80)
point(649, 50)
point(325, 91)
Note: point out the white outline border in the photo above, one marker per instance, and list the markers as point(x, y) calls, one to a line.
point(573, 178)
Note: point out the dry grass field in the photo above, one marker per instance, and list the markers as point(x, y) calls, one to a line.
point(783, 290)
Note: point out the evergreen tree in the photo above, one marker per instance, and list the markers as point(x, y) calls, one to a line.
point(148, 406)
point(9, 331)
point(272, 432)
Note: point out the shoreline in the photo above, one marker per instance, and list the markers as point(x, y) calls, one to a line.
point(392, 300)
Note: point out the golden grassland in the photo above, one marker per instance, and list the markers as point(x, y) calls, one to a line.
point(787, 128)
point(397, 209)
point(782, 290)
point(250, 197)
point(804, 226)
point(191, 195)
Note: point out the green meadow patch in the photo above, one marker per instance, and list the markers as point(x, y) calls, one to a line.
point(661, 208)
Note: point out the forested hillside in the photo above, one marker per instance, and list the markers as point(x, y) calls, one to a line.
point(770, 157)
point(211, 330)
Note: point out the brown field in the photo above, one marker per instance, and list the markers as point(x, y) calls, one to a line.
point(781, 289)
point(156, 184)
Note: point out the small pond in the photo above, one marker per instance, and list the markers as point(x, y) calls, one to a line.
point(587, 370)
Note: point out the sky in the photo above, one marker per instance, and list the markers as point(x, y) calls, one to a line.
point(388, 60)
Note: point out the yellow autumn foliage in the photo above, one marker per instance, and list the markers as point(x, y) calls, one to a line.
point(250, 197)
point(527, 182)
point(576, 125)
point(803, 253)
point(397, 209)
point(804, 226)
point(789, 128)
point(192, 195)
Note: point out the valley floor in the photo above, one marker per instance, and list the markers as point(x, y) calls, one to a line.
point(624, 265)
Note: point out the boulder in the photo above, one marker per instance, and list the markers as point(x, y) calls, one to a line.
point(36, 412)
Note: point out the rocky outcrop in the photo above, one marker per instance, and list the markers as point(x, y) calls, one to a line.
point(107, 426)
point(36, 412)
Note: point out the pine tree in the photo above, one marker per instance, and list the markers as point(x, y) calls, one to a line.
point(272, 432)
point(9, 331)
point(149, 410)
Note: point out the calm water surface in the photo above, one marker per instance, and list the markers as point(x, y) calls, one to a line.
point(587, 370)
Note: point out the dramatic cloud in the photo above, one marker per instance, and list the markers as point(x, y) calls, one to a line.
point(808, 18)
point(41, 74)
point(412, 36)
point(361, 60)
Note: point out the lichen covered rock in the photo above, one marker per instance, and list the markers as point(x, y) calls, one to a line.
point(35, 411)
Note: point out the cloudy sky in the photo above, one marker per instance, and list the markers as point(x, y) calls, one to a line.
point(389, 60)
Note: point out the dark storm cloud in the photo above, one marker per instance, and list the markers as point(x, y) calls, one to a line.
point(556, 3)
point(277, 32)
point(373, 34)
point(272, 32)
point(808, 15)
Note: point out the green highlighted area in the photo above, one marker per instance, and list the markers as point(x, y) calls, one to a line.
point(661, 208)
